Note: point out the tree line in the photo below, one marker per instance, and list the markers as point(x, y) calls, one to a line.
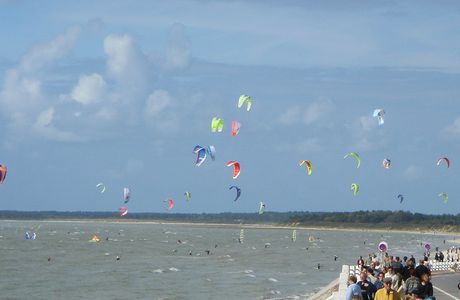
point(378, 218)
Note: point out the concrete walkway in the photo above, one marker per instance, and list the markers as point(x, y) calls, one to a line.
point(445, 286)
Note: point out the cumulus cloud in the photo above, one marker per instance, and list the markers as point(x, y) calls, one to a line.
point(178, 53)
point(22, 99)
point(90, 89)
point(290, 116)
point(126, 63)
point(157, 102)
point(308, 145)
point(452, 131)
point(43, 127)
point(308, 115)
point(367, 123)
point(43, 54)
point(412, 172)
point(317, 110)
point(134, 165)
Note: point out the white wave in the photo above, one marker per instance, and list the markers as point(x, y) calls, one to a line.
point(172, 269)
point(272, 279)
point(157, 271)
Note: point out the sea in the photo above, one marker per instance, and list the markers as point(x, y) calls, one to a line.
point(182, 261)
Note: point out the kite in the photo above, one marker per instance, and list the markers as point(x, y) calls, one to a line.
point(187, 195)
point(401, 198)
point(95, 239)
point(445, 197)
point(211, 150)
point(383, 247)
point(443, 159)
point(29, 236)
point(243, 99)
point(102, 186)
point(356, 156)
point(386, 163)
point(217, 124)
point(170, 203)
point(200, 155)
point(126, 195)
point(236, 168)
point(123, 211)
point(308, 164)
point(354, 188)
point(235, 128)
point(261, 208)
point(2, 173)
point(238, 191)
point(379, 113)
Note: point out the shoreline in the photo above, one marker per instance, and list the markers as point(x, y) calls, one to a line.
point(246, 226)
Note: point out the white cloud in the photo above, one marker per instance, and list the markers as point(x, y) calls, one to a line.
point(367, 123)
point(125, 61)
point(90, 89)
point(178, 53)
point(45, 117)
point(106, 114)
point(44, 54)
point(452, 131)
point(134, 165)
point(309, 115)
point(317, 110)
point(412, 172)
point(309, 145)
point(290, 116)
point(43, 127)
point(22, 98)
point(157, 101)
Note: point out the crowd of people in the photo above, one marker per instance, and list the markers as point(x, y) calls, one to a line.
point(391, 278)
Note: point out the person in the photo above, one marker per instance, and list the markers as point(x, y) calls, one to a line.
point(379, 282)
point(412, 283)
point(387, 293)
point(118, 257)
point(318, 266)
point(426, 287)
point(422, 269)
point(335, 257)
point(367, 288)
point(49, 258)
point(360, 262)
point(370, 275)
point(396, 265)
point(353, 289)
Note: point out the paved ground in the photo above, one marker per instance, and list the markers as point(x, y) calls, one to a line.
point(446, 286)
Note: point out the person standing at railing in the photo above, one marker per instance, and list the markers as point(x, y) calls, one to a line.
point(353, 289)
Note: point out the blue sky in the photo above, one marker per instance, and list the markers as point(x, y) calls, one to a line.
point(120, 93)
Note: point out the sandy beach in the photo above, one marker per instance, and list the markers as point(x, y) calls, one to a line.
point(250, 226)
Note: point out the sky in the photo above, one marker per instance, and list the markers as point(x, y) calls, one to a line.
point(121, 92)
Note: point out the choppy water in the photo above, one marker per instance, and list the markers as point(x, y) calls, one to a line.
point(153, 265)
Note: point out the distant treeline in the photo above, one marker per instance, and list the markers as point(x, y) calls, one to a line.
point(380, 219)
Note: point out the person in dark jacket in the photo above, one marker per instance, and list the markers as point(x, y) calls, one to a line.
point(367, 288)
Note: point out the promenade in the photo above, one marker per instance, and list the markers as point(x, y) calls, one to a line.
point(445, 283)
point(445, 286)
